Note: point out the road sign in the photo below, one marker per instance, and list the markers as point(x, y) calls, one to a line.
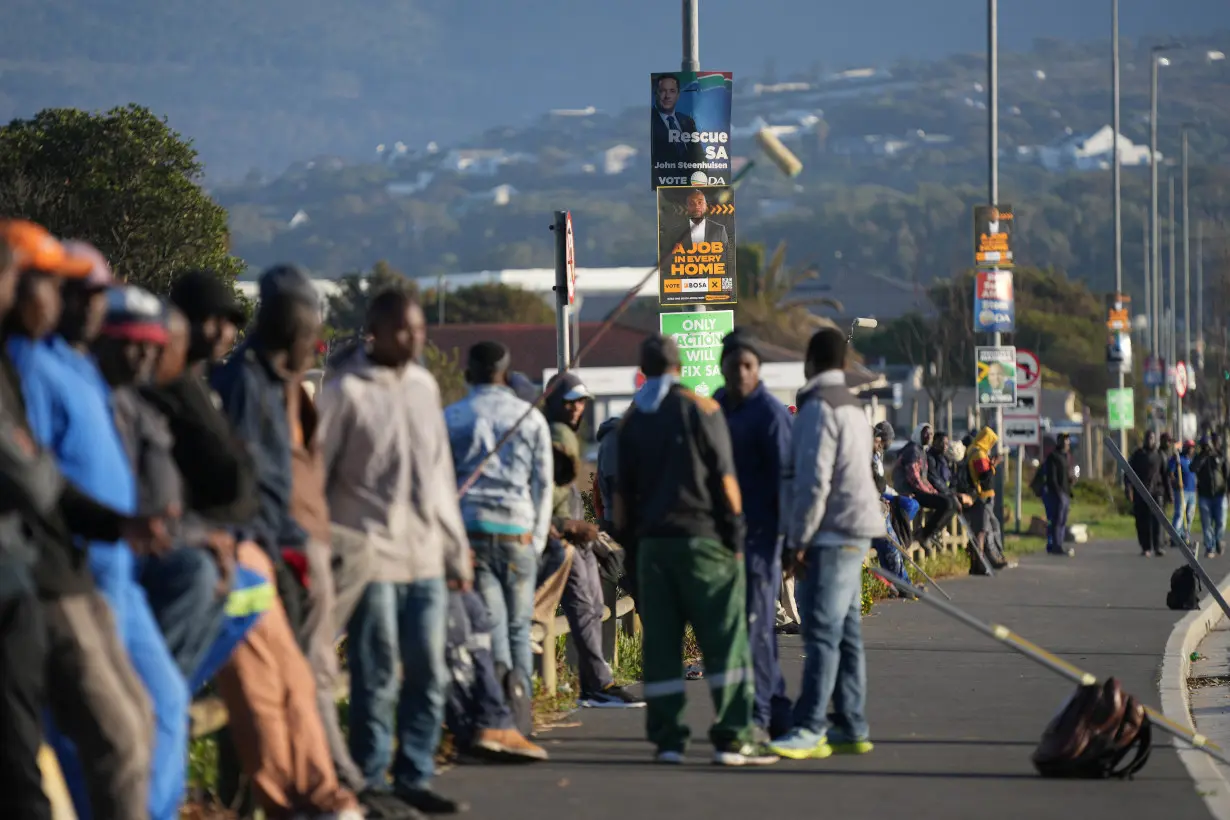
point(699, 337)
point(1180, 379)
point(1028, 370)
point(1028, 404)
point(1022, 432)
point(1121, 408)
point(571, 258)
point(1155, 371)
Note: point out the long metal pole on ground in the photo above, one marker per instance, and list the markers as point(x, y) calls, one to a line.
point(1118, 211)
point(993, 197)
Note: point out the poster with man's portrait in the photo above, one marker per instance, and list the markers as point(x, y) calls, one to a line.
point(996, 376)
point(696, 245)
point(689, 128)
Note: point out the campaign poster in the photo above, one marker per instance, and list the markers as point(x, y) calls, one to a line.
point(994, 309)
point(699, 337)
point(996, 376)
point(993, 236)
point(696, 245)
point(689, 128)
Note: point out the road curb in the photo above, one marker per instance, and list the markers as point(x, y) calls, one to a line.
point(1210, 780)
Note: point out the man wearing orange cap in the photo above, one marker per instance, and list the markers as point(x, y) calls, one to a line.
point(97, 698)
point(68, 405)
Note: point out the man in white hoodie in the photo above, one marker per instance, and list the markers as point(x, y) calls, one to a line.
point(389, 474)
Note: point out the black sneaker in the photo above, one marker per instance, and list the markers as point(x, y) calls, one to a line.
point(612, 697)
point(378, 805)
point(1159, 552)
point(429, 802)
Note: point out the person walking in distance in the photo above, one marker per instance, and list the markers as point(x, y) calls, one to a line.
point(389, 476)
point(1150, 468)
point(507, 511)
point(760, 437)
point(1057, 495)
point(982, 462)
point(678, 500)
point(1183, 485)
point(1212, 480)
point(833, 513)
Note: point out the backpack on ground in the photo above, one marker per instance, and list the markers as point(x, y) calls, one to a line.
point(1185, 589)
point(1100, 732)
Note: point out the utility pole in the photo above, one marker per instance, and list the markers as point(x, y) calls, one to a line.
point(1173, 316)
point(993, 200)
point(1114, 61)
point(1153, 227)
point(1200, 283)
point(691, 56)
point(1150, 319)
point(1187, 261)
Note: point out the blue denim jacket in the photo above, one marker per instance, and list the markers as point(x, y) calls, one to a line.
point(512, 495)
point(254, 398)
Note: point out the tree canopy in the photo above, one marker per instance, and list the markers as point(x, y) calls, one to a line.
point(121, 180)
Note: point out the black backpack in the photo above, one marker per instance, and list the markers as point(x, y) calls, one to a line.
point(1185, 589)
point(1209, 475)
point(1094, 734)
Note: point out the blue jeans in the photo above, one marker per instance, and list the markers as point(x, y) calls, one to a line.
point(114, 571)
point(1212, 521)
point(835, 667)
point(406, 622)
point(476, 698)
point(1057, 506)
point(505, 575)
point(890, 559)
point(1184, 505)
point(181, 588)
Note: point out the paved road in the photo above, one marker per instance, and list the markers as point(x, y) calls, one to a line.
point(954, 716)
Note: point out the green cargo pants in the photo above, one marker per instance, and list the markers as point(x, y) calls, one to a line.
point(701, 582)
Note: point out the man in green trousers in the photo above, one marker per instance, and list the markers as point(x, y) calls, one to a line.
point(678, 500)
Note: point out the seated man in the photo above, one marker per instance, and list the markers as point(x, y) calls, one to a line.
point(187, 587)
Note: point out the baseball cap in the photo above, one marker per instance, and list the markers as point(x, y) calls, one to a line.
point(201, 294)
point(569, 387)
point(99, 275)
point(36, 250)
point(135, 315)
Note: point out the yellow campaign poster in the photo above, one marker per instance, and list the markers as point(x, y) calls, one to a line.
point(696, 245)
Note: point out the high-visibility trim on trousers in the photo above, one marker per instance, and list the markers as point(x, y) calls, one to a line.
point(662, 688)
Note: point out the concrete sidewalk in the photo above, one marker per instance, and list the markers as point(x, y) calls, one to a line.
point(954, 716)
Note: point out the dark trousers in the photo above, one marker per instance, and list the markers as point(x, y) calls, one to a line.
point(583, 606)
point(181, 587)
point(941, 511)
point(772, 709)
point(23, 649)
point(475, 698)
point(1148, 528)
point(1057, 505)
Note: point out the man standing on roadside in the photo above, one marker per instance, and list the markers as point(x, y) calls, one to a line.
point(1057, 495)
point(507, 512)
point(390, 476)
point(833, 513)
point(981, 462)
point(1150, 468)
point(678, 500)
point(1212, 480)
point(1183, 482)
point(760, 439)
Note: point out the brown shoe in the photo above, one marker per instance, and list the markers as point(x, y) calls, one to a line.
point(506, 746)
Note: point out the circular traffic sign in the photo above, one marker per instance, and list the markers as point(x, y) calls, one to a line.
point(1180, 379)
point(1028, 370)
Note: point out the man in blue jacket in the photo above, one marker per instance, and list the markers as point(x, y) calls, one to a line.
point(760, 434)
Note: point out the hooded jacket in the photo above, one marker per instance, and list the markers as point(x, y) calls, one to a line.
point(831, 499)
point(389, 470)
point(913, 465)
point(676, 473)
point(978, 459)
point(1150, 467)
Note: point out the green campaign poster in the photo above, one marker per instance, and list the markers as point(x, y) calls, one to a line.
point(1121, 409)
point(699, 336)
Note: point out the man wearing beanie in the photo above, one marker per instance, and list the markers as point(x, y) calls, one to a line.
point(678, 502)
point(760, 437)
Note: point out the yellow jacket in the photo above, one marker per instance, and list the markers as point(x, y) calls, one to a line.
point(978, 462)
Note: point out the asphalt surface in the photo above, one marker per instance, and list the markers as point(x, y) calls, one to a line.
point(954, 716)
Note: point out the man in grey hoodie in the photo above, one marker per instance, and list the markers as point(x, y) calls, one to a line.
point(832, 514)
point(389, 474)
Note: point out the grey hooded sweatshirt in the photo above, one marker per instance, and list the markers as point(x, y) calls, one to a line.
point(831, 499)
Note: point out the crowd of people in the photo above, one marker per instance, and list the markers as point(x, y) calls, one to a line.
point(1192, 477)
point(181, 510)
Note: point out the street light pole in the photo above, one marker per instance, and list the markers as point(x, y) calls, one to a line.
point(993, 200)
point(1200, 283)
point(1114, 61)
point(691, 56)
point(1153, 227)
point(1187, 258)
point(1174, 314)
